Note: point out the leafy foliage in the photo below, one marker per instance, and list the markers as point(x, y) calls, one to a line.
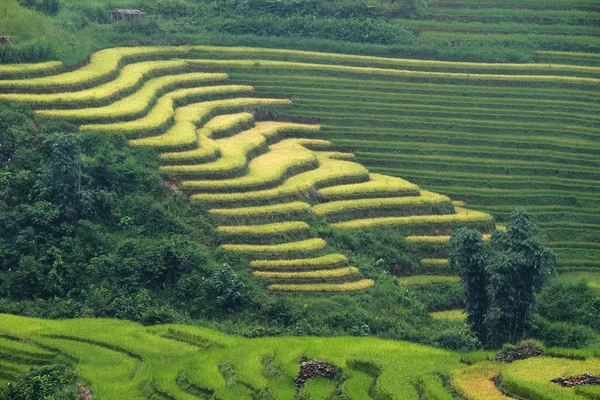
point(56, 381)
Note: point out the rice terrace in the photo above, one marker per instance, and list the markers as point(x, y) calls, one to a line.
point(300, 199)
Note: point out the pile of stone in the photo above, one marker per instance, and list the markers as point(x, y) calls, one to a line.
point(314, 369)
point(583, 379)
point(522, 352)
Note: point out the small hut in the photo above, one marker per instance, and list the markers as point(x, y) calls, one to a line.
point(125, 14)
point(6, 39)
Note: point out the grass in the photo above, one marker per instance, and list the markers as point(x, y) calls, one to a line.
point(328, 260)
point(451, 315)
point(323, 287)
point(307, 245)
point(592, 279)
point(316, 274)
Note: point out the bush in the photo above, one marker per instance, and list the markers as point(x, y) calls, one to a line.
point(561, 334)
point(55, 382)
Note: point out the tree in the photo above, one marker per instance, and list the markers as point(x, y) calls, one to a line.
point(227, 288)
point(470, 254)
point(501, 278)
point(64, 172)
point(519, 270)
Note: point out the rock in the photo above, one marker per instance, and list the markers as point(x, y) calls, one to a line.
point(576, 380)
point(314, 369)
point(520, 353)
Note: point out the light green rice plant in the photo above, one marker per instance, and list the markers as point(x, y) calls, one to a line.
point(422, 280)
point(163, 110)
point(183, 132)
point(284, 208)
point(530, 378)
point(266, 229)
point(461, 216)
point(476, 382)
point(377, 185)
point(270, 129)
point(327, 260)
point(130, 76)
point(264, 170)
point(137, 102)
point(323, 287)
point(315, 274)
point(438, 239)
point(307, 245)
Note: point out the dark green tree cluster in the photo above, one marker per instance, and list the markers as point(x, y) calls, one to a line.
point(502, 278)
point(56, 381)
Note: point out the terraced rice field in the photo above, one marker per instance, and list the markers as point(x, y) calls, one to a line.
point(124, 360)
point(260, 179)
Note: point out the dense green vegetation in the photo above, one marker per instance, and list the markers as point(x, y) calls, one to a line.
point(261, 191)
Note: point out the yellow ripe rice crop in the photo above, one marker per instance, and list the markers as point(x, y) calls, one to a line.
point(399, 62)
point(207, 149)
point(334, 207)
point(476, 382)
point(234, 154)
point(130, 76)
point(137, 102)
point(451, 315)
point(394, 72)
point(437, 239)
point(324, 287)
point(267, 229)
point(433, 261)
point(318, 274)
point(328, 170)
point(7, 69)
point(183, 133)
point(223, 123)
point(290, 247)
point(284, 208)
point(462, 215)
point(418, 280)
point(103, 63)
point(322, 261)
point(163, 110)
point(376, 185)
point(269, 129)
point(265, 169)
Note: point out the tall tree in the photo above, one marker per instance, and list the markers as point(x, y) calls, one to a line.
point(518, 271)
point(469, 253)
point(64, 172)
